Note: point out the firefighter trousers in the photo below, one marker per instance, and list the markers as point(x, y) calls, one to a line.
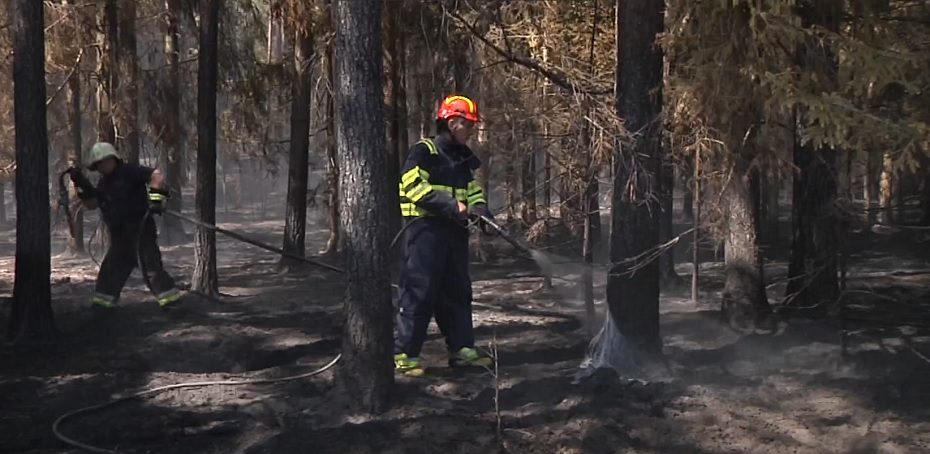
point(122, 257)
point(434, 280)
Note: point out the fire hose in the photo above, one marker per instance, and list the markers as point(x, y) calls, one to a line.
point(63, 202)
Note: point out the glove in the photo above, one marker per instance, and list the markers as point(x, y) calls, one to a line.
point(85, 189)
point(478, 211)
point(156, 200)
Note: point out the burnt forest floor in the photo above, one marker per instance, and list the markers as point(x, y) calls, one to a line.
point(788, 392)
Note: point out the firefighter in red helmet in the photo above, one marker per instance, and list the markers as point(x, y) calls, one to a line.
point(438, 193)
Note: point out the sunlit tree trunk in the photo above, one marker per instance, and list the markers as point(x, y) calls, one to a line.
point(107, 76)
point(886, 189)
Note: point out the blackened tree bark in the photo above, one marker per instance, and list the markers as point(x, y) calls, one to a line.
point(107, 77)
point(295, 220)
point(396, 91)
point(744, 302)
point(205, 279)
point(173, 230)
point(365, 204)
point(75, 159)
point(31, 318)
point(126, 83)
point(925, 194)
point(633, 299)
point(667, 275)
point(813, 267)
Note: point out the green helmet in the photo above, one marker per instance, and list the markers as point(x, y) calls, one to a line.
point(99, 152)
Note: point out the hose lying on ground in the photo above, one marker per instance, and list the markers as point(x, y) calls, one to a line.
point(56, 426)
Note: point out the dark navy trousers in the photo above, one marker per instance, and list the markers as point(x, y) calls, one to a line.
point(434, 280)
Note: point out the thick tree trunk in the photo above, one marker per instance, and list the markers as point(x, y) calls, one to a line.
point(295, 220)
point(75, 159)
point(31, 318)
point(633, 288)
point(173, 229)
point(365, 204)
point(668, 278)
point(127, 88)
point(744, 301)
point(528, 167)
point(108, 80)
point(205, 278)
point(332, 162)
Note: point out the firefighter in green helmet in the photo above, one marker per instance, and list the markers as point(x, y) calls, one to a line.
point(124, 193)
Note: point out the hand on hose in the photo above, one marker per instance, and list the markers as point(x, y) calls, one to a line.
point(85, 189)
point(157, 198)
point(478, 211)
point(461, 213)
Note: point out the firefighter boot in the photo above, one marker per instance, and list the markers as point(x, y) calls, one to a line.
point(469, 357)
point(407, 366)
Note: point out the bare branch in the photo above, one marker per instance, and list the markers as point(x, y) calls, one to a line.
point(559, 80)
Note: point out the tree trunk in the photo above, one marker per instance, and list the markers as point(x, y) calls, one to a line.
point(633, 299)
point(126, 86)
point(205, 279)
point(108, 80)
point(365, 204)
point(743, 299)
point(886, 189)
point(76, 218)
point(2, 203)
point(31, 318)
point(768, 214)
point(687, 197)
point(668, 278)
point(295, 220)
point(812, 269)
point(870, 187)
point(395, 92)
point(925, 195)
point(173, 229)
point(332, 162)
point(528, 167)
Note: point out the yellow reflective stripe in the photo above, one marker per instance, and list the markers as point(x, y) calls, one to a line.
point(411, 210)
point(419, 191)
point(156, 197)
point(429, 144)
point(411, 175)
point(478, 198)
